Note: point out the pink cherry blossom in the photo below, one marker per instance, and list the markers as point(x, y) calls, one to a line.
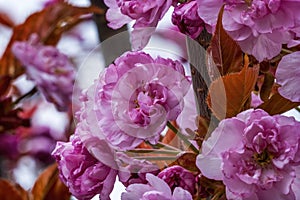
point(130, 170)
point(49, 69)
point(155, 189)
point(260, 26)
point(84, 175)
point(255, 155)
point(146, 14)
point(177, 176)
point(134, 98)
point(288, 76)
point(255, 100)
point(186, 18)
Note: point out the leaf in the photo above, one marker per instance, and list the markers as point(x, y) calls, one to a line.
point(226, 53)
point(9, 191)
point(48, 186)
point(267, 86)
point(4, 85)
point(49, 24)
point(202, 130)
point(187, 161)
point(10, 117)
point(228, 95)
point(6, 20)
point(277, 104)
point(59, 191)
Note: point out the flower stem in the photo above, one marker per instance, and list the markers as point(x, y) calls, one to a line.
point(156, 157)
point(28, 94)
point(153, 151)
point(218, 195)
point(166, 146)
point(286, 51)
point(182, 137)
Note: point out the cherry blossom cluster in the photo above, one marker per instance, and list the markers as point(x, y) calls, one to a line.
point(138, 121)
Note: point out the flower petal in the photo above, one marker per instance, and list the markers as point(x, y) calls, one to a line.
point(288, 76)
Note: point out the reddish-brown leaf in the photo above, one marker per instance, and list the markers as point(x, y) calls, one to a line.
point(9, 116)
point(228, 95)
point(49, 24)
point(226, 53)
point(187, 161)
point(204, 128)
point(10, 191)
point(6, 20)
point(48, 186)
point(23, 193)
point(277, 104)
point(267, 86)
point(4, 85)
point(59, 191)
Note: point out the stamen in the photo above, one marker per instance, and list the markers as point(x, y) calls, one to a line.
point(263, 159)
point(249, 2)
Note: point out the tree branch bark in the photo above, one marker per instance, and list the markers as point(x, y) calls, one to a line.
point(200, 77)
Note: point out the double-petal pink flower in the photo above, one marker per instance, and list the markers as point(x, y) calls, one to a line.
point(257, 156)
point(135, 97)
point(146, 14)
point(259, 26)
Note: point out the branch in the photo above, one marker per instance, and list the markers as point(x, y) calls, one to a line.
point(200, 77)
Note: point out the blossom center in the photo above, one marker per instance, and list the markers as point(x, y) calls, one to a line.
point(248, 2)
point(263, 159)
point(143, 102)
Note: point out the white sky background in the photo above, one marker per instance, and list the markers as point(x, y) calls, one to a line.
point(18, 11)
